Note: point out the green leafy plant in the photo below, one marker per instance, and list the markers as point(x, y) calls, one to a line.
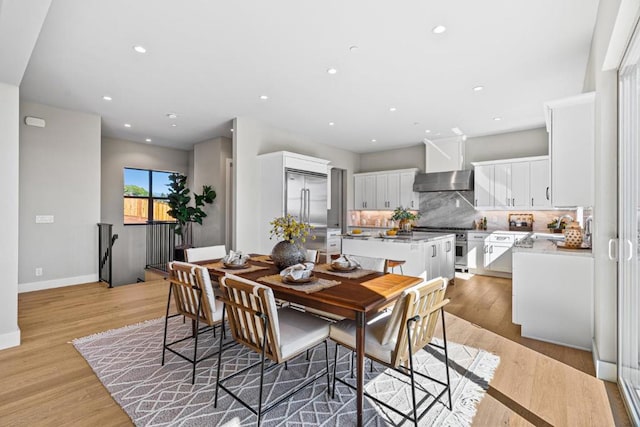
point(179, 204)
point(287, 228)
point(404, 214)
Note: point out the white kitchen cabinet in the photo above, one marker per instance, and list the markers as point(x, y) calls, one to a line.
point(444, 155)
point(385, 190)
point(490, 253)
point(520, 185)
point(475, 251)
point(502, 185)
point(553, 297)
point(571, 127)
point(408, 198)
point(539, 187)
point(440, 258)
point(509, 184)
point(483, 183)
point(447, 256)
point(364, 192)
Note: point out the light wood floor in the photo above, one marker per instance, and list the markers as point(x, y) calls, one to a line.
point(46, 382)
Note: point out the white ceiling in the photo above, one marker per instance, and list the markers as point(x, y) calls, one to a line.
point(209, 61)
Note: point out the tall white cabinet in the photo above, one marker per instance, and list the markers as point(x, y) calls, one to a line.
point(571, 127)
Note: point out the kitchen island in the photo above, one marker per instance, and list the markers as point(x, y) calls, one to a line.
point(553, 293)
point(428, 255)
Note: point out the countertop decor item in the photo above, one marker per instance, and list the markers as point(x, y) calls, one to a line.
point(573, 235)
point(289, 250)
point(404, 216)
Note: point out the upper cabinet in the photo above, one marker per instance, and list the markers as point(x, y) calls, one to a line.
point(571, 127)
point(444, 155)
point(385, 190)
point(512, 183)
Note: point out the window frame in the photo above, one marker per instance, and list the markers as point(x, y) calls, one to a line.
point(150, 198)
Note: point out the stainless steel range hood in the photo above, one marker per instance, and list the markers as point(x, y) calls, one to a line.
point(444, 181)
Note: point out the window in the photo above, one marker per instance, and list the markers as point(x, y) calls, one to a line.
point(146, 196)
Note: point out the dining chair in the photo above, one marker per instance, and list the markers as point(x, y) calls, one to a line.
point(194, 298)
point(313, 256)
point(394, 340)
point(371, 263)
point(276, 334)
point(205, 253)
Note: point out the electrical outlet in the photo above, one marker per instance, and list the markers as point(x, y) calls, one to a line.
point(39, 271)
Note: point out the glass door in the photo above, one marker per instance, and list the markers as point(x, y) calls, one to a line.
point(629, 231)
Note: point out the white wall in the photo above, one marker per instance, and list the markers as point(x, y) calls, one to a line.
point(59, 176)
point(606, 190)
point(209, 158)
point(510, 145)
point(399, 158)
point(252, 138)
point(129, 251)
point(9, 175)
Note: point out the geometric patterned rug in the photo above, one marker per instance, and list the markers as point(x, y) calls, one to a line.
point(127, 362)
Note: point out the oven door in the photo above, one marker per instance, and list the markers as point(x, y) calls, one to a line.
point(461, 254)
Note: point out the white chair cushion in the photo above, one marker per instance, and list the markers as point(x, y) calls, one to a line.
point(344, 332)
point(299, 331)
point(205, 253)
point(270, 300)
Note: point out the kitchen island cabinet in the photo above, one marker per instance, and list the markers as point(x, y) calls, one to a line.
point(431, 255)
point(553, 294)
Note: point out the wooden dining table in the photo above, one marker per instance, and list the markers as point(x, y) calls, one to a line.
point(355, 299)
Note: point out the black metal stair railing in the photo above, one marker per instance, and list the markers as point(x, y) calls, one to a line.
point(106, 239)
point(161, 243)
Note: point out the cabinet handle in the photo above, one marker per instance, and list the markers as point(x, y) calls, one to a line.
point(507, 201)
point(476, 202)
point(532, 204)
point(513, 202)
point(433, 248)
point(491, 249)
point(547, 193)
point(412, 203)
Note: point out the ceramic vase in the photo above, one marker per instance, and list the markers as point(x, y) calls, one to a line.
point(573, 235)
point(285, 254)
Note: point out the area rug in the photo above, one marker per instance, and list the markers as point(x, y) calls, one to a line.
point(127, 362)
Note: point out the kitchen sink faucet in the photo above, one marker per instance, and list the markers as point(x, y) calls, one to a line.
point(559, 224)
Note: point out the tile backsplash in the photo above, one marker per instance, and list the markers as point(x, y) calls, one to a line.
point(455, 209)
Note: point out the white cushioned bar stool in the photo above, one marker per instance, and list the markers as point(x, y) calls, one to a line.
point(393, 340)
point(276, 334)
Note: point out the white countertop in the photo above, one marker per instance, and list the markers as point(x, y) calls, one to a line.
point(414, 238)
point(545, 246)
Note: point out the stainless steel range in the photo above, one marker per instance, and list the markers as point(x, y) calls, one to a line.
point(461, 242)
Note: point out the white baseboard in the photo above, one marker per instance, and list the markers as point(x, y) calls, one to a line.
point(10, 339)
point(607, 371)
point(56, 283)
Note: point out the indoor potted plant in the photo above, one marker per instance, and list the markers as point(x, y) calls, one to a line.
point(183, 212)
point(404, 216)
point(292, 234)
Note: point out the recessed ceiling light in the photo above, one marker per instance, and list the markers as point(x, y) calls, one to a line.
point(148, 139)
point(264, 97)
point(127, 125)
point(172, 115)
point(332, 71)
point(139, 49)
point(173, 125)
point(439, 29)
point(457, 131)
point(392, 109)
point(107, 98)
point(478, 88)
point(374, 140)
point(353, 48)
point(331, 123)
point(497, 119)
point(427, 131)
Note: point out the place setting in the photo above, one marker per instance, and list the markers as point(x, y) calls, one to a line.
point(235, 262)
point(299, 277)
point(344, 266)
